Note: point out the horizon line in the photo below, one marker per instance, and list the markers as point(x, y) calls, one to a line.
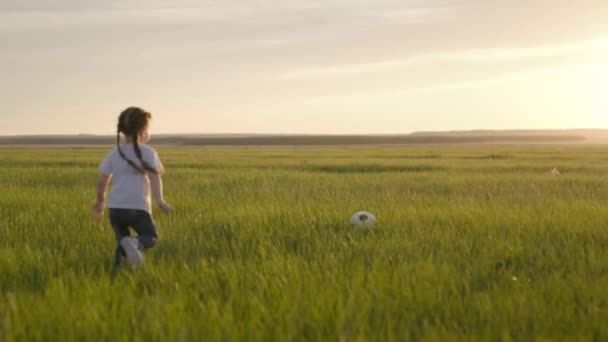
point(434, 132)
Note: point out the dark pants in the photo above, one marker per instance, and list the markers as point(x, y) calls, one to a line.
point(123, 220)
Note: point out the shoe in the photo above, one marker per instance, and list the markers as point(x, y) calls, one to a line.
point(134, 256)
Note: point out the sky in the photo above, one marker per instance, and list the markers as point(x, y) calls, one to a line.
point(295, 66)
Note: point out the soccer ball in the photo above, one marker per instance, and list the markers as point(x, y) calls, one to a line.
point(363, 219)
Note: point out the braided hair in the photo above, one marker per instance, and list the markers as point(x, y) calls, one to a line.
point(130, 123)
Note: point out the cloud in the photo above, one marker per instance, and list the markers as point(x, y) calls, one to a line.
point(489, 55)
point(29, 14)
point(578, 70)
point(115, 18)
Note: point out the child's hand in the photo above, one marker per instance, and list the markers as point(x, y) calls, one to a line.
point(98, 211)
point(165, 207)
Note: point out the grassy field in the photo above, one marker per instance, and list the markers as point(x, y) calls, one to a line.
point(474, 243)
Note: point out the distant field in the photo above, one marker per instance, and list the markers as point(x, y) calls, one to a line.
point(422, 138)
point(474, 243)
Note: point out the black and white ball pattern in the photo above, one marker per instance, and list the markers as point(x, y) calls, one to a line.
point(363, 219)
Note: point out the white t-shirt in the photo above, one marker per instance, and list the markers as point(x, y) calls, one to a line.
point(130, 188)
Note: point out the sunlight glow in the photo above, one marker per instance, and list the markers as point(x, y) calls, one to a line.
point(588, 84)
point(598, 85)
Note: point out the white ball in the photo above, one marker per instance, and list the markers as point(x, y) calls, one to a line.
point(363, 219)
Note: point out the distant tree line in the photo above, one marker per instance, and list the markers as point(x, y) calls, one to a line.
point(303, 140)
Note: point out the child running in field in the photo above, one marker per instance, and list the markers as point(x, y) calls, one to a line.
point(135, 171)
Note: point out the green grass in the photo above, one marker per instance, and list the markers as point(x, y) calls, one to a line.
point(474, 243)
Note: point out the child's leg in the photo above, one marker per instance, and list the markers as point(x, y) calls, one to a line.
point(146, 230)
point(117, 255)
point(119, 218)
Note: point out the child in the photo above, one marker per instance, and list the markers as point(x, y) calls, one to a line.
point(135, 172)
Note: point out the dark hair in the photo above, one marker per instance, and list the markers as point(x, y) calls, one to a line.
point(131, 122)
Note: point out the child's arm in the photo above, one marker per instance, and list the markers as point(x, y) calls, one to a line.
point(102, 186)
point(156, 184)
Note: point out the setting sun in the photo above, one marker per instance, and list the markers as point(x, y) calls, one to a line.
point(599, 84)
point(591, 86)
